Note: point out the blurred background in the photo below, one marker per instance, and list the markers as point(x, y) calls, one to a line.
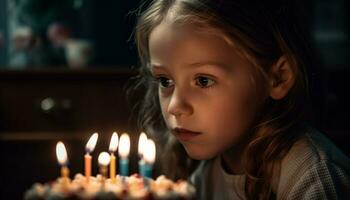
point(65, 66)
point(66, 33)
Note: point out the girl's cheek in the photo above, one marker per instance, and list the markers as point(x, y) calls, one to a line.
point(164, 93)
point(163, 101)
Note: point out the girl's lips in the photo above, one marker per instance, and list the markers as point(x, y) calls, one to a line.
point(184, 134)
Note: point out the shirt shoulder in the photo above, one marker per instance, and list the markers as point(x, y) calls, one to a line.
point(314, 166)
point(213, 182)
point(200, 177)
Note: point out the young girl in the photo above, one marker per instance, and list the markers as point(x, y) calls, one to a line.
point(226, 79)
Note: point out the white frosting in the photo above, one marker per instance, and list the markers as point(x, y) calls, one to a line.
point(134, 187)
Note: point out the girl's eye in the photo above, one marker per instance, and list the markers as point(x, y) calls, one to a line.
point(165, 82)
point(204, 82)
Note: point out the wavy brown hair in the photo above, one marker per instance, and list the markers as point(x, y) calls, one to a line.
point(262, 31)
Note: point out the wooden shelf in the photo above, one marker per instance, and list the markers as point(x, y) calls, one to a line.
point(97, 99)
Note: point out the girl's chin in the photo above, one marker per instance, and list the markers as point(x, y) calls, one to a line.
point(199, 154)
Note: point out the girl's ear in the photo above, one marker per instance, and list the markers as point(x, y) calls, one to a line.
point(281, 78)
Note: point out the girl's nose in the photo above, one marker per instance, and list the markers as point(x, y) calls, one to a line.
point(179, 104)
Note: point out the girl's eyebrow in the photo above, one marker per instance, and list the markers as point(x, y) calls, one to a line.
point(156, 67)
point(222, 66)
point(211, 63)
point(195, 64)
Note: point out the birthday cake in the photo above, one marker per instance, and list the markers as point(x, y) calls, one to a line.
point(132, 187)
point(135, 187)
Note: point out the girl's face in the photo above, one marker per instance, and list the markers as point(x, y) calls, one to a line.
point(206, 90)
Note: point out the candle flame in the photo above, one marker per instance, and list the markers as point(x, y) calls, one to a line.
point(113, 145)
point(150, 152)
point(124, 145)
point(90, 145)
point(142, 143)
point(104, 158)
point(61, 153)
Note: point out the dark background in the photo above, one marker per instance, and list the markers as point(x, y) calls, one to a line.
point(94, 99)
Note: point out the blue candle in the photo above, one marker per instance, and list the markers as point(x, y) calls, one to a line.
point(142, 167)
point(124, 166)
point(146, 164)
point(141, 148)
point(124, 149)
point(141, 164)
point(147, 170)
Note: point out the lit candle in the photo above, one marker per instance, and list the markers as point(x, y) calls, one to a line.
point(62, 158)
point(113, 145)
point(149, 156)
point(103, 161)
point(142, 143)
point(90, 146)
point(141, 147)
point(124, 149)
